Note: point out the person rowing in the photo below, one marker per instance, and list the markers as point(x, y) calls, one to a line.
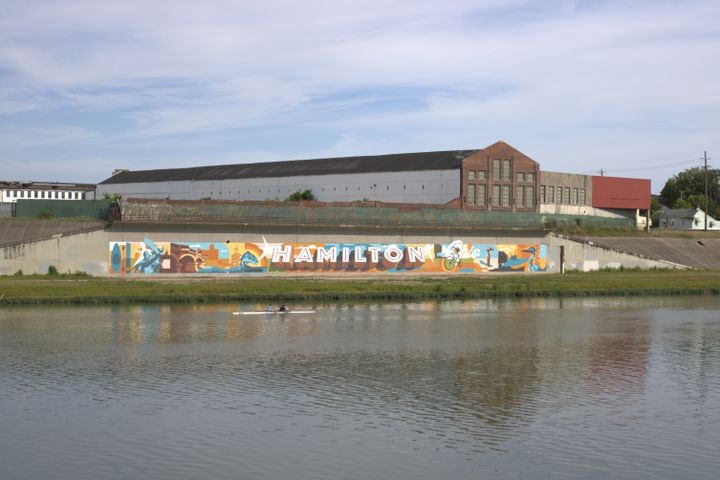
point(282, 309)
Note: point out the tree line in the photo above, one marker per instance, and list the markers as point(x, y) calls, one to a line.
point(686, 190)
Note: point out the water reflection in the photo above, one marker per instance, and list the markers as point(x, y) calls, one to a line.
point(414, 387)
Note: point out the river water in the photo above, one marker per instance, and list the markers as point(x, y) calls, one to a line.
point(581, 388)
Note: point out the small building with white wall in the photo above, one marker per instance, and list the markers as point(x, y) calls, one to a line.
point(12, 191)
point(687, 219)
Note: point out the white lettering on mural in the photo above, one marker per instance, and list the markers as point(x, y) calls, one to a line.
point(329, 255)
point(393, 254)
point(282, 254)
point(360, 255)
point(305, 255)
point(416, 254)
point(374, 254)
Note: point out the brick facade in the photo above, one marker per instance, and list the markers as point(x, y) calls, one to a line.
point(500, 178)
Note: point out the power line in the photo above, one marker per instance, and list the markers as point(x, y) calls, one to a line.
point(603, 171)
point(694, 160)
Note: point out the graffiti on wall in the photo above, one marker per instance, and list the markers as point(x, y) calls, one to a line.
point(241, 257)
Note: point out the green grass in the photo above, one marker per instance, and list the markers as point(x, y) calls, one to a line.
point(83, 289)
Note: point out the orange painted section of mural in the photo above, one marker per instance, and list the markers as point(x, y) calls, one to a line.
point(240, 257)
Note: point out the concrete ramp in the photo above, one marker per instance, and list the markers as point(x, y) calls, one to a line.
point(14, 231)
point(693, 252)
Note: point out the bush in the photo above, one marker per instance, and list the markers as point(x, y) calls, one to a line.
point(297, 196)
point(52, 270)
point(78, 273)
point(19, 273)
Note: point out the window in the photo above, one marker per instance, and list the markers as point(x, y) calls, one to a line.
point(496, 195)
point(521, 177)
point(551, 194)
point(575, 196)
point(505, 199)
point(35, 194)
point(582, 196)
point(530, 177)
point(482, 175)
point(530, 196)
point(496, 169)
point(506, 170)
point(470, 198)
point(519, 196)
point(542, 193)
point(559, 194)
point(471, 174)
point(481, 193)
point(567, 195)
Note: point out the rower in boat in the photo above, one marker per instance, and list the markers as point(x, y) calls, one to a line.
point(282, 309)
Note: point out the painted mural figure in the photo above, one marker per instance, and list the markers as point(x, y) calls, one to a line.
point(149, 262)
point(248, 262)
point(452, 254)
point(520, 264)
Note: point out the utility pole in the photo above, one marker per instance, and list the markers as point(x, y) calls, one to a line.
point(602, 172)
point(706, 191)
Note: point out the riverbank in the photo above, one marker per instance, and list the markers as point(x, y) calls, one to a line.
point(81, 289)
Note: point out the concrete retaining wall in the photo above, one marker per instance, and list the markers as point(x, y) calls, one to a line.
point(89, 252)
point(85, 252)
point(586, 257)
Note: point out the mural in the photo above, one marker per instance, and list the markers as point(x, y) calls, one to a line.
point(239, 257)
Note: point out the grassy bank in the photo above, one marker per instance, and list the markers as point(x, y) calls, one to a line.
point(90, 290)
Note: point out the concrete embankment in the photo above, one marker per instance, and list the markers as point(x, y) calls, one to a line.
point(33, 246)
point(696, 251)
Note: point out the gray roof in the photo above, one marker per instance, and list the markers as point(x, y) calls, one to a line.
point(32, 185)
point(678, 213)
point(400, 162)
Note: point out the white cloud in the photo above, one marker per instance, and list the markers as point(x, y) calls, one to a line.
point(574, 81)
point(13, 137)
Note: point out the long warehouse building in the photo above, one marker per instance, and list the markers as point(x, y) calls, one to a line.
point(495, 178)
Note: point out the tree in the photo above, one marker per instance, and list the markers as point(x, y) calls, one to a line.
point(297, 196)
point(687, 190)
point(655, 210)
point(113, 197)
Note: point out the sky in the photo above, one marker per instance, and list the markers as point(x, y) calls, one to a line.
point(631, 88)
